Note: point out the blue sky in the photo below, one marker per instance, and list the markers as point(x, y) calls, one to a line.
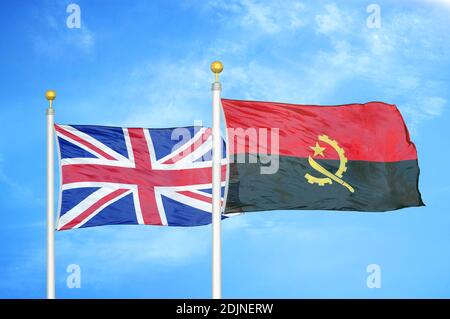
point(145, 63)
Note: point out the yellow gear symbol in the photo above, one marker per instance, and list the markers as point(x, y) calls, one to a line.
point(329, 177)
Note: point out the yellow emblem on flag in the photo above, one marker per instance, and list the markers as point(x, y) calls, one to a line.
point(329, 177)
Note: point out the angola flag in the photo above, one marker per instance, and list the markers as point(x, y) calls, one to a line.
point(356, 157)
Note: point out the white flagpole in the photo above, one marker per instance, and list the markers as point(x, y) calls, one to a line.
point(216, 68)
point(50, 95)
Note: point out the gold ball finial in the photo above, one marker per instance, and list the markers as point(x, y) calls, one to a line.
point(50, 95)
point(216, 68)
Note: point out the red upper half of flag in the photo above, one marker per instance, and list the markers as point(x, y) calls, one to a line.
point(373, 131)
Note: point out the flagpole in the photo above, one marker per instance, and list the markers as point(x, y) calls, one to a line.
point(216, 68)
point(50, 95)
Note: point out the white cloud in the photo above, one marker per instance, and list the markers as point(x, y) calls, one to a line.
point(443, 3)
point(168, 94)
point(260, 228)
point(332, 20)
point(56, 43)
point(134, 245)
point(58, 39)
point(423, 108)
point(434, 105)
point(176, 246)
point(266, 17)
point(388, 60)
point(272, 17)
point(171, 94)
point(61, 38)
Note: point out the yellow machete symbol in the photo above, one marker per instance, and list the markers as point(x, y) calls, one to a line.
point(329, 177)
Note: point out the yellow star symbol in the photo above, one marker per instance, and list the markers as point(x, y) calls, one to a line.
point(318, 150)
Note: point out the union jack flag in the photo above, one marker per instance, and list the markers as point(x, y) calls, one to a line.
point(113, 175)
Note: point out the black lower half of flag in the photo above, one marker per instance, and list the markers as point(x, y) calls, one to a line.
point(364, 186)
